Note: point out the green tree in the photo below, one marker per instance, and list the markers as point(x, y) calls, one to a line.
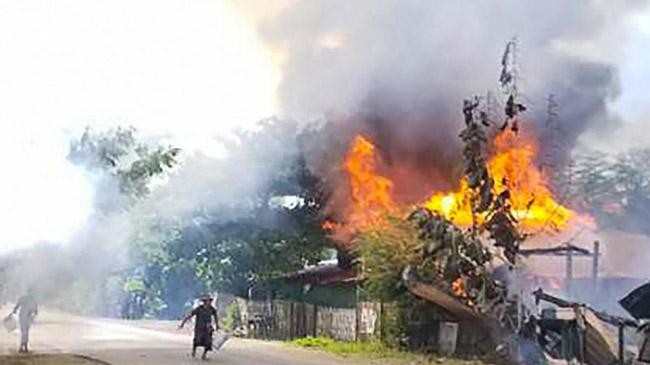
point(118, 154)
point(278, 236)
point(269, 225)
point(123, 167)
point(615, 189)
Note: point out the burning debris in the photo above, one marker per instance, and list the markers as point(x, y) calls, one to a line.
point(457, 262)
point(501, 169)
point(464, 235)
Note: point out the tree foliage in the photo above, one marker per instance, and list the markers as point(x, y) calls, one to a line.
point(239, 244)
point(615, 189)
point(242, 254)
point(118, 153)
point(384, 253)
point(123, 168)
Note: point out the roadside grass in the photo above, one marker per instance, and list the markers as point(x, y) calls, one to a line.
point(377, 351)
point(48, 359)
point(345, 348)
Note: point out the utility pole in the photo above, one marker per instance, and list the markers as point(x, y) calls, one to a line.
point(594, 267)
point(569, 272)
point(555, 158)
point(552, 135)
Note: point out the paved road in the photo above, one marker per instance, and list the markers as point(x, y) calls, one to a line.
point(150, 342)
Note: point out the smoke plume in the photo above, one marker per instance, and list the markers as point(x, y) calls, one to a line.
point(398, 71)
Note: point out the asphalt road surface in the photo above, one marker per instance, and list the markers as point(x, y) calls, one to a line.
point(150, 342)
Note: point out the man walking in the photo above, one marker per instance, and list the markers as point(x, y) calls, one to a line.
point(28, 311)
point(203, 328)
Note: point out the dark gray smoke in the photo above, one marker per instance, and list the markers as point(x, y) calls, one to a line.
point(399, 70)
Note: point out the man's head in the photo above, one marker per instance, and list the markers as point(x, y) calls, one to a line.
point(206, 300)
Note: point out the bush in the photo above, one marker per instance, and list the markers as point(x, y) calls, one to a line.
point(232, 317)
point(376, 350)
point(343, 348)
point(384, 253)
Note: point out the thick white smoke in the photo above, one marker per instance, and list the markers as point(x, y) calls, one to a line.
point(43, 197)
point(183, 71)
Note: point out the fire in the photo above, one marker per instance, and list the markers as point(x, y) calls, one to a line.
point(512, 166)
point(455, 206)
point(459, 290)
point(328, 225)
point(371, 193)
point(458, 287)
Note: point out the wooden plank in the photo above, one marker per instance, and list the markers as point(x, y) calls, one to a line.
point(601, 345)
point(429, 292)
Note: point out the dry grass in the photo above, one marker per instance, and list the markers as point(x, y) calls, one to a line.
point(48, 359)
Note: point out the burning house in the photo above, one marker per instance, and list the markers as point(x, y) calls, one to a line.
point(482, 232)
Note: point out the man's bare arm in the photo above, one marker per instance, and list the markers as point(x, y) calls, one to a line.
point(17, 307)
point(187, 318)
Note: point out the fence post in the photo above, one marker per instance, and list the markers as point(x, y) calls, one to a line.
point(357, 312)
point(274, 332)
point(292, 322)
point(569, 272)
point(315, 331)
point(275, 323)
point(380, 321)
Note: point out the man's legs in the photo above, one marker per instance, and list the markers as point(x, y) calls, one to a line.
point(207, 344)
point(24, 336)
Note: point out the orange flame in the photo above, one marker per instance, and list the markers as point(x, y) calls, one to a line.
point(512, 166)
point(371, 193)
point(328, 225)
point(459, 290)
point(458, 287)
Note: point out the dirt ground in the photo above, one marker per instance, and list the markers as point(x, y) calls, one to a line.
point(50, 359)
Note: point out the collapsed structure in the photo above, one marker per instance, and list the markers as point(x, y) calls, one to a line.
point(461, 261)
point(471, 235)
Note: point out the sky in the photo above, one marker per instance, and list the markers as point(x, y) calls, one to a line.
point(634, 103)
point(185, 69)
point(635, 70)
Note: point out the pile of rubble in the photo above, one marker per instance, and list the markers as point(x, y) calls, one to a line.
point(457, 270)
point(458, 261)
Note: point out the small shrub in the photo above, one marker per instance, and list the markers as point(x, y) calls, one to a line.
point(373, 348)
point(232, 317)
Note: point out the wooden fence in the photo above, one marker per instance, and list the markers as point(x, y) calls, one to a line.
point(285, 320)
